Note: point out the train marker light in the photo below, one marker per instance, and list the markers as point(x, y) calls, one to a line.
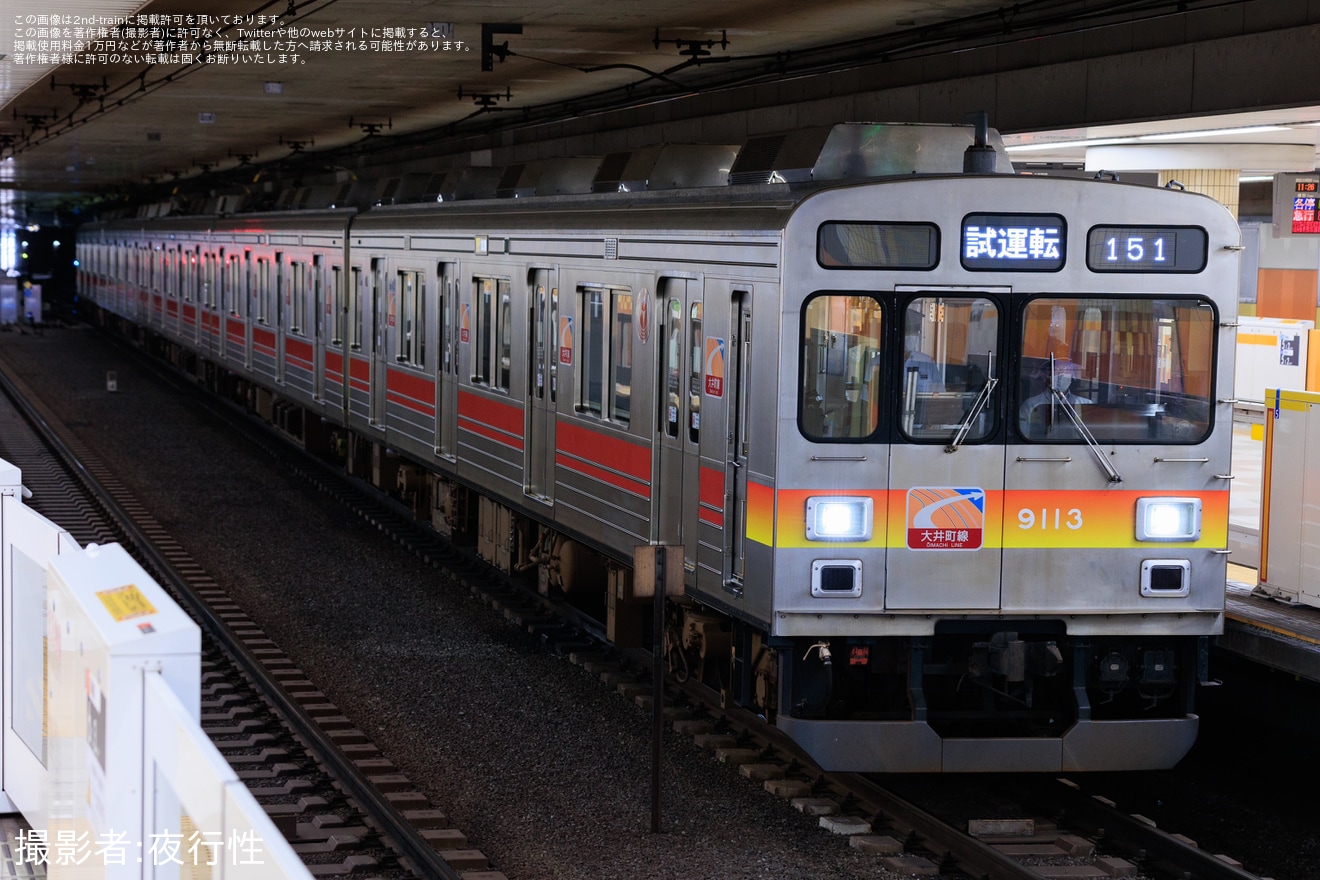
point(839, 518)
point(1168, 519)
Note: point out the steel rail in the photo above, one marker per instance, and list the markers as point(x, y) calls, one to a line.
point(425, 860)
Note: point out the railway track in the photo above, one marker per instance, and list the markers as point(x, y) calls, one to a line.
point(339, 802)
point(906, 838)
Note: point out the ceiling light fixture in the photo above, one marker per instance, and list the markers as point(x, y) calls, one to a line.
point(1212, 132)
point(1066, 145)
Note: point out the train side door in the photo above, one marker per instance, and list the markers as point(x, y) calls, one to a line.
point(380, 303)
point(539, 431)
point(357, 375)
point(223, 296)
point(446, 386)
point(946, 485)
point(251, 310)
point(738, 370)
point(676, 486)
point(282, 288)
point(320, 313)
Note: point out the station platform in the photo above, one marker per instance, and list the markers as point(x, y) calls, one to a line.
point(1258, 628)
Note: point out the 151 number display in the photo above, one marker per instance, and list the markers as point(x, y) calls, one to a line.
point(1146, 249)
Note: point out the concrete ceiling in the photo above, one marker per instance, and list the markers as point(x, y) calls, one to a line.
point(77, 128)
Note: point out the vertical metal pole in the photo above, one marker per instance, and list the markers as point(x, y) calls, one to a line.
point(657, 686)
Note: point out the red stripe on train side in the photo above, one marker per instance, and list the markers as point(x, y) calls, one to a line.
point(359, 373)
point(334, 366)
point(190, 315)
point(234, 329)
point(492, 419)
point(622, 463)
point(417, 393)
point(264, 340)
point(298, 353)
point(711, 496)
point(507, 417)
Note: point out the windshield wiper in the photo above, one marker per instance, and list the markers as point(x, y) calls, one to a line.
point(977, 405)
point(1076, 418)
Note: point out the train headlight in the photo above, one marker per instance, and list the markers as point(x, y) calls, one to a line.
point(1168, 519)
point(839, 518)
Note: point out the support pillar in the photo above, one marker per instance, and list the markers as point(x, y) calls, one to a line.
point(1221, 184)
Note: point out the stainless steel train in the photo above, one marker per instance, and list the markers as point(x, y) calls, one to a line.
point(946, 453)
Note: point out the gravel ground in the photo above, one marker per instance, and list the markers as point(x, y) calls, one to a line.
point(545, 770)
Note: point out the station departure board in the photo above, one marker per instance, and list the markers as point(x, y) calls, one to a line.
point(1303, 207)
point(1296, 204)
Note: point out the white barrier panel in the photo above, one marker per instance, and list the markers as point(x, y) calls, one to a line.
point(196, 801)
point(108, 623)
point(1290, 508)
point(1271, 353)
point(135, 789)
point(28, 541)
point(102, 751)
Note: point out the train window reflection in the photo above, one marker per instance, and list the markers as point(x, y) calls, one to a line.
point(950, 350)
point(1129, 370)
point(839, 396)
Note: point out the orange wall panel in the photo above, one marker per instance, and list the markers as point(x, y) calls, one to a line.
point(1286, 293)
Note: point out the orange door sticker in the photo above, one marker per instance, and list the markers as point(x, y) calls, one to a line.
point(566, 340)
point(714, 366)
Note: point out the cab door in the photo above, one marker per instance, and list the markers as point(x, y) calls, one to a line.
point(677, 482)
point(539, 430)
point(946, 481)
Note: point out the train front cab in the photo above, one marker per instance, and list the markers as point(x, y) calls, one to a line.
point(973, 572)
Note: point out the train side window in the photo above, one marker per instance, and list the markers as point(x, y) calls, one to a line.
point(483, 296)
point(554, 361)
point(504, 333)
point(356, 302)
point(621, 357)
point(337, 311)
point(277, 309)
point(316, 297)
point(216, 268)
point(1136, 370)
point(950, 351)
point(233, 285)
point(492, 362)
point(412, 317)
point(840, 368)
point(696, 378)
point(591, 306)
point(263, 286)
point(298, 289)
point(606, 354)
point(673, 363)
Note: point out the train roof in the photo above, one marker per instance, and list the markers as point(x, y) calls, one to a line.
point(730, 208)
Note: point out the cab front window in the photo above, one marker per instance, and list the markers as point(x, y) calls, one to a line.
point(950, 354)
point(841, 369)
point(1135, 370)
